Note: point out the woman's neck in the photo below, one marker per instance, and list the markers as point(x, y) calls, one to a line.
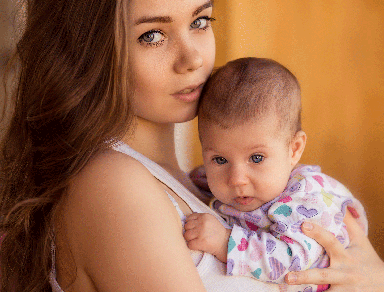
point(156, 141)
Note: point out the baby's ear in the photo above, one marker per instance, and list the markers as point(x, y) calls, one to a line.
point(297, 146)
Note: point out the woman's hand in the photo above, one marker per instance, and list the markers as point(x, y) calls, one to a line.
point(357, 268)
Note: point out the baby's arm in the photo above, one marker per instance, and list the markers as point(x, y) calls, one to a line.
point(205, 233)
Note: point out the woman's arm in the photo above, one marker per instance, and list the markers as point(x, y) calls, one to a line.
point(124, 231)
point(357, 268)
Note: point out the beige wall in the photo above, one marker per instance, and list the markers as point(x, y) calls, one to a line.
point(336, 49)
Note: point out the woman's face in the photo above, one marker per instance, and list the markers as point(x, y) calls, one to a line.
point(171, 55)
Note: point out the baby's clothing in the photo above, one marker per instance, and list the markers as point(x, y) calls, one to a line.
point(267, 243)
point(210, 269)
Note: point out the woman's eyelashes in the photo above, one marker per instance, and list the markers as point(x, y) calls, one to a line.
point(203, 23)
point(155, 38)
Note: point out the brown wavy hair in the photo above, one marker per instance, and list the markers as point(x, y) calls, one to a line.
point(71, 102)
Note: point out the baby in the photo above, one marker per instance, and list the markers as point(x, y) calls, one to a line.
point(252, 141)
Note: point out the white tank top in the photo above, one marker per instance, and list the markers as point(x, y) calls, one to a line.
point(211, 270)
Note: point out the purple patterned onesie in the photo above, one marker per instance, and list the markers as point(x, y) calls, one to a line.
point(267, 243)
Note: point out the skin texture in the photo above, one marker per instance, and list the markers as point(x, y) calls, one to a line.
point(358, 268)
point(115, 196)
point(250, 164)
point(246, 166)
point(95, 222)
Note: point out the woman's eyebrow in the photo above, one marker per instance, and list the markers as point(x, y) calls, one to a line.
point(202, 7)
point(167, 19)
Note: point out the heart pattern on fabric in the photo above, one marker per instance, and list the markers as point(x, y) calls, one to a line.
point(257, 252)
point(271, 245)
point(338, 218)
point(254, 218)
point(308, 187)
point(295, 264)
point(280, 227)
point(231, 244)
point(257, 273)
point(308, 244)
point(341, 239)
point(309, 213)
point(277, 269)
point(319, 179)
point(296, 227)
point(252, 226)
point(283, 210)
point(344, 205)
point(286, 239)
point(327, 198)
point(230, 266)
point(289, 251)
point(286, 199)
point(326, 219)
point(243, 245)
point(295, 187)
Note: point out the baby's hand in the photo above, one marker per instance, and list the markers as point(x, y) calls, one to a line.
point(204, 232)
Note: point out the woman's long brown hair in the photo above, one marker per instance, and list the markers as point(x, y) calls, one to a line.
point(71, 101)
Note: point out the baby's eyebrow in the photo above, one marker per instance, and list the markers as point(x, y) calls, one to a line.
point(167, 19)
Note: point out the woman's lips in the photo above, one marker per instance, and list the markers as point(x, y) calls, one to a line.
point(244, 200)
point(189, 94)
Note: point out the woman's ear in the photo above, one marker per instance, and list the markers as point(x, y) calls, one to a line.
point(297, 147)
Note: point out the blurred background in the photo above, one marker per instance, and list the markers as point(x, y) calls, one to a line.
point(336, 49)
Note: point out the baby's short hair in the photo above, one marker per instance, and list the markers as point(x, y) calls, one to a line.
point(249, 88)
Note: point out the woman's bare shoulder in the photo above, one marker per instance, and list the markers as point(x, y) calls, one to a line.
point(112, 206)
point(112, 178)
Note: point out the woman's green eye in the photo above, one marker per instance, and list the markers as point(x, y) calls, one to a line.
point(199, 23)
point(257, 158)
point(202, 22)
point(152, 37)
point(220, 160)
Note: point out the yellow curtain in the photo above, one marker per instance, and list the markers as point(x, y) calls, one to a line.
point(336, 49)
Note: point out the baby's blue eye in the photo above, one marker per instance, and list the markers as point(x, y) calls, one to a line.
point(257, 158)
point(220, 160)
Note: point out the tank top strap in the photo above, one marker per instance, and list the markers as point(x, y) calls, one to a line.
point(165, 177)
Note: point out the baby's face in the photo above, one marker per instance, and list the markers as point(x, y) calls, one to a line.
point(247, 165)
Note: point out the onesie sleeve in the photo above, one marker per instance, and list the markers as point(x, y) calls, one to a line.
point(270, 253)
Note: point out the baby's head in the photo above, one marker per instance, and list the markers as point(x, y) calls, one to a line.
point(250, 131)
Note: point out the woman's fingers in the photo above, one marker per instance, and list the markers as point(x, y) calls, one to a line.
point(325, 238)
point(317, 276)
point(355, 232)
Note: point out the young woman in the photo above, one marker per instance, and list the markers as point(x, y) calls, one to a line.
point(83, 211)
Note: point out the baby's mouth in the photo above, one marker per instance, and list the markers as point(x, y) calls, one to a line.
point(244, 200)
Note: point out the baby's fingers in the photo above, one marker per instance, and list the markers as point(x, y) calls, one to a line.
point(190, 234)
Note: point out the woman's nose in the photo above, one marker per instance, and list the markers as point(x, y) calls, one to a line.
point(238, 176)
point(189, 59)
